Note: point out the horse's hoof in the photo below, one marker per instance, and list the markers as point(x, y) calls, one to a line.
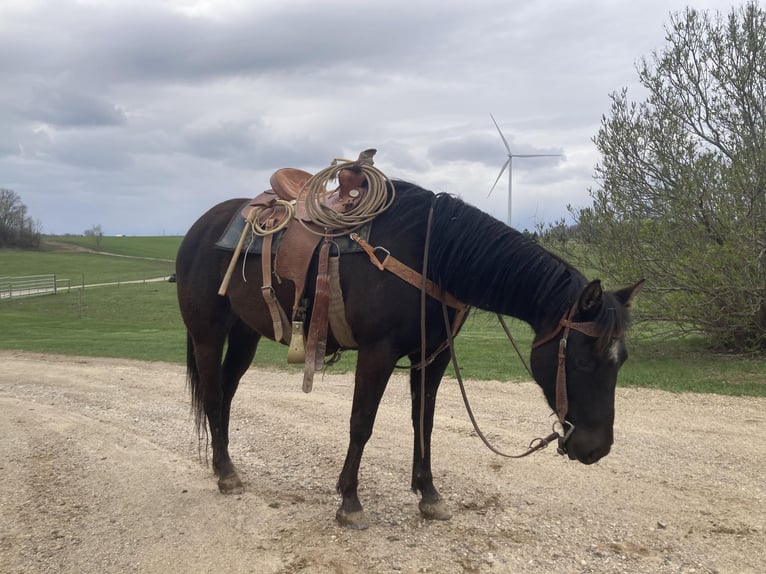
point(354, 520)
point(231, 485)
point(434, 510)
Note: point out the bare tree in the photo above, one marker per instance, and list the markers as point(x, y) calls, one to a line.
point(96, 233)
point(16, 228)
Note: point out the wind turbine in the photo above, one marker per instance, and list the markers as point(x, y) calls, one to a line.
point(509, 164)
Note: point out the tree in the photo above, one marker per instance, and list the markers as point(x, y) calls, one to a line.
point(96, 232)
point(16, 228)
point(682, 195)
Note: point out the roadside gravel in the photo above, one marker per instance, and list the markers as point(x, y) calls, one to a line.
point(102, 472)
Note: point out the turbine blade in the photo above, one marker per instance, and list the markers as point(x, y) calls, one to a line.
point(501, 135)
point(499, 175)
point(537, 155)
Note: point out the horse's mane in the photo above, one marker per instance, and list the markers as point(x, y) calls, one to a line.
point(489, 265)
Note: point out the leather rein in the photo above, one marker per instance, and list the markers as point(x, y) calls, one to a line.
point(562, 428)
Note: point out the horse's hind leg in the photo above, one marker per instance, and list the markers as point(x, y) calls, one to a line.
point(213, 386)
point(242, 344)
point(431, 505)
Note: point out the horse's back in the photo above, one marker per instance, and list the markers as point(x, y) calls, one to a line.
point(200, 265)
point(202, 235)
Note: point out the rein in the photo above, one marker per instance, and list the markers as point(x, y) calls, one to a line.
point(535, 444)
point(562, 428)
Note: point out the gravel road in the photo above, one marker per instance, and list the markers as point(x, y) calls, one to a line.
point(102, 472)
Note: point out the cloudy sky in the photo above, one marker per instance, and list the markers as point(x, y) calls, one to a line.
point(139, 115)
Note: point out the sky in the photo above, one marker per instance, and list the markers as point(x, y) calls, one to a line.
point(139, 115)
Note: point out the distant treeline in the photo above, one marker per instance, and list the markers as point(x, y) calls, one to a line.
point(17, 229)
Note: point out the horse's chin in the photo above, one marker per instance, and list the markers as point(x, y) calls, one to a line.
point(587, 452)
point(588, 459)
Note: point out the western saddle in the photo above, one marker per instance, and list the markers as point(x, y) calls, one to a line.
point(283, 207)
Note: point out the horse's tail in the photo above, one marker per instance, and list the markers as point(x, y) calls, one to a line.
point(193, 383)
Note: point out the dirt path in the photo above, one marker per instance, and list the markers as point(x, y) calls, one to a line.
point(101, 472)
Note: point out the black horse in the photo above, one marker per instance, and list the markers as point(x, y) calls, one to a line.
point(473, 256)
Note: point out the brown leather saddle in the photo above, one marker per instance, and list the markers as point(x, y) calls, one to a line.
point(301, 238)
point(288, 182)
point(283, 207)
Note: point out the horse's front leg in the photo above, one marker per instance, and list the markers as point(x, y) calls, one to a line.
point(431, 505)
point(373, 369)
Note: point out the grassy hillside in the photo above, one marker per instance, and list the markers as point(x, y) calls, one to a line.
point(87, 267)
point(142, 321)
point(164, 247)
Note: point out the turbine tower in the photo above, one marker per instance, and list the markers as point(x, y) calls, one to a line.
point(509, 164)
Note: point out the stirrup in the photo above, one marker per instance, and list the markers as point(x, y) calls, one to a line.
point(296, 354)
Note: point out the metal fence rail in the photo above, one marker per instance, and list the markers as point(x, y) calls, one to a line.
point(31, 285)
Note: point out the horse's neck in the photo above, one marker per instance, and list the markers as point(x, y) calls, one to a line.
point(488, 265)
point(521, 280)
point(540, 305)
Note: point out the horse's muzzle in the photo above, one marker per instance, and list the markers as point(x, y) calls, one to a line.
point(585, 446)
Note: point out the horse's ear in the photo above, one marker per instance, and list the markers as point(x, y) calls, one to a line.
point(627, 295)
point(591, 296)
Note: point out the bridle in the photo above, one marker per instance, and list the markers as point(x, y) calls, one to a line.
point(562, 428)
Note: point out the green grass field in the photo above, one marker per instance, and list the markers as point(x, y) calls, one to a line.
point(82, 268)
point(164, 247)
point(141, 321)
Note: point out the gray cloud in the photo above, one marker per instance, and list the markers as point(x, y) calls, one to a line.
point(108, 107)
point(64, 107)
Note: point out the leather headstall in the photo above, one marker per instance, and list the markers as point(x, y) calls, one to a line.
point(566, 324)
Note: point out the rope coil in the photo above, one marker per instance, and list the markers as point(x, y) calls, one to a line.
point(375, 200)
point(263, 229)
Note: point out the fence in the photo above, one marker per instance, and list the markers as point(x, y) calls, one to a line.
point(31, 285)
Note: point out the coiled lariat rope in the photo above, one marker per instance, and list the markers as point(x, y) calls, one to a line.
point(258, 228)
point(376, 199)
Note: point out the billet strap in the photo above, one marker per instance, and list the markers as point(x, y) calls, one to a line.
point(337, 312)
point(317, 339)
point(407, 273)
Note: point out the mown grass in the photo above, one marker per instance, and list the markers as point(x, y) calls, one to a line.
point(161, 247)
point(81, 268)
point(142, 321)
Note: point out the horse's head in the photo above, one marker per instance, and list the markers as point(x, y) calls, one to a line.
point(576, 363)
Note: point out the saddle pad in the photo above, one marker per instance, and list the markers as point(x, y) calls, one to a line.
point(254, 244)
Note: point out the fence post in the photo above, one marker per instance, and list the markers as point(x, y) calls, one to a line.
point(54, 284)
